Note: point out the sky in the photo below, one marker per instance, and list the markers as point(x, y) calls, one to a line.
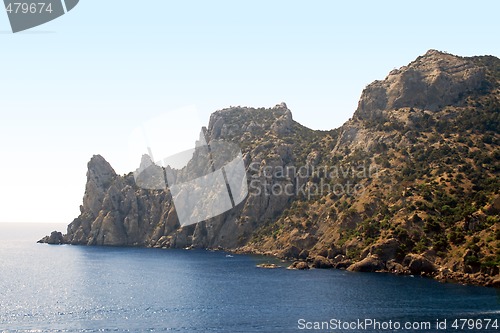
point(81, 84)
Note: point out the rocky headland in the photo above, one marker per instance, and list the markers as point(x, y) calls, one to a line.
point(409, 185)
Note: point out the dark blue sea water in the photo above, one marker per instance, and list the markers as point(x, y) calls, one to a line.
point(94, 289)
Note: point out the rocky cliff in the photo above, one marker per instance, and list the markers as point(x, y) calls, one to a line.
point(409, 185)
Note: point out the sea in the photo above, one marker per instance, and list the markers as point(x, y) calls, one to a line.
point(64, 288)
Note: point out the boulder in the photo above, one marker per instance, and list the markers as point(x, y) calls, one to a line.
point(339, 257)
point(321, 262)
point(385, 249)
point(418, 264)
point(291, 252)
point(333, 252)
point(343, 264)
point(369, 264)
point(300, 265)
point(396, 268)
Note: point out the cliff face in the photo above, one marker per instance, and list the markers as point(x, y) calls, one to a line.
point(431, 82)
point(116, 211)
point(410, 184)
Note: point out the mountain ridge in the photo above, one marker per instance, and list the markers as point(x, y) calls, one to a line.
point(421, 149)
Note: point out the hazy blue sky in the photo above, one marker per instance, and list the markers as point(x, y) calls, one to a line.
point(78, 86)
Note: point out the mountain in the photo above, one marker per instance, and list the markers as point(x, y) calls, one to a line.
point(409, 185)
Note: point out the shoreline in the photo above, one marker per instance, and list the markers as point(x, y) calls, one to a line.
point(441, 274)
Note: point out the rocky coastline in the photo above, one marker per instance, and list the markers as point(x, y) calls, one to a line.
point(421, 149)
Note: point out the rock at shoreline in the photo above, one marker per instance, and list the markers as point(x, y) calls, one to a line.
point(418, 264)
point(268, 266)
point(55, 238)
point(369, 264)
point(321, 262)
point(299, 265)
